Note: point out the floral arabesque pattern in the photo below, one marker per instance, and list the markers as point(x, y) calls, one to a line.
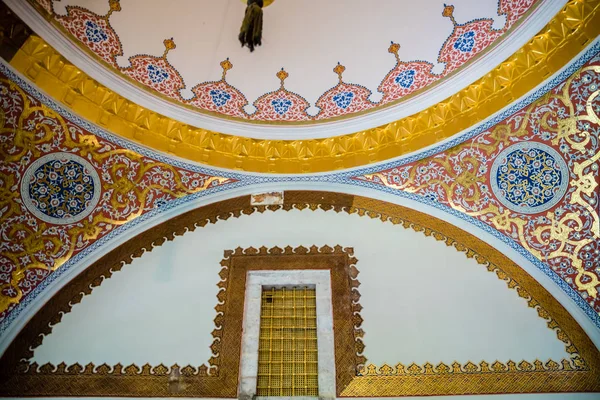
point(466, 41)
point(220, 98)
point(281, 105)
point(566, 237)
point(94, 31)
point(131, 184)
point(513, 9)
point(157, 73)
point(405, 78)
point(46, 5)
point(343, 98)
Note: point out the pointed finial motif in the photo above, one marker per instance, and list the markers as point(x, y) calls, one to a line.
point(394, 49)
point(114, 5)
point(282, 75)
point(226, 65)
point(339, 70)
point(169, 45)
point(449, 13)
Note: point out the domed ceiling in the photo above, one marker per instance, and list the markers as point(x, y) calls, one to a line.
point(337, 62)
point(473, 209)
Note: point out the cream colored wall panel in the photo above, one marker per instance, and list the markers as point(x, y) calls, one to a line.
point(423, 301)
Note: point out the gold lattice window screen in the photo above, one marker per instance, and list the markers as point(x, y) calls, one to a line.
point(287, 351)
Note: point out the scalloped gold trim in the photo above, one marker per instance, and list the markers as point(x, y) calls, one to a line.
point(569, 32)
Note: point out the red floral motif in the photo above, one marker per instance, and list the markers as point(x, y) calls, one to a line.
point(206, 93)
point(405, 78)
point(513, 9)
point(131, 185)
point(466, 41)
point(220, 96)
point(94, 31)
point(31, 279)
point(344, 98)
point(565, 236)
point(281, 105)
point(156, 72)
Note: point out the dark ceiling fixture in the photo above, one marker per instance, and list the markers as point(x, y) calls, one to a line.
point(13, 32)
point(251, 30)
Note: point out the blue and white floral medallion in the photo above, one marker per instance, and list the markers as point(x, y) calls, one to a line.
point(343, 99)
point(281, 105)
point(529, 177)
point(406, 78)
point(219, 97)
point(156, 74)
point(61, 188)
point(465, 42)
point(94, 33)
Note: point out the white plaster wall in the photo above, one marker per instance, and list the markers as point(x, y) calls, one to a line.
point(422, 300)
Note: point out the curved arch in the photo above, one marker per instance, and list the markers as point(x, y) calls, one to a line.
point(30, 306)
point(580, 374)
point(316, 155)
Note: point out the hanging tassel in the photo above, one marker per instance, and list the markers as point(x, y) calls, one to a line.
point(251, 30)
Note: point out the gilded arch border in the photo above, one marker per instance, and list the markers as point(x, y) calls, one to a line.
point(579, 375)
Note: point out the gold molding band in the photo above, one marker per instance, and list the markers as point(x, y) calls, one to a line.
point(565, 36)
point(578, 374)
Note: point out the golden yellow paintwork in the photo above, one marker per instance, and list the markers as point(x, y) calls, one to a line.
point(35, 240)
point(559, 229)
point(569, 32)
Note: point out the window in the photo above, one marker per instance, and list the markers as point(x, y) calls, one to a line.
point(287, 352)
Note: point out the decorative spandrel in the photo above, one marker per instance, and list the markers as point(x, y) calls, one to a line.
point(531, 180)
point(65, 188)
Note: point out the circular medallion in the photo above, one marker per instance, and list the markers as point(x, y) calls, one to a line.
point(60, 188)
point(529, 177)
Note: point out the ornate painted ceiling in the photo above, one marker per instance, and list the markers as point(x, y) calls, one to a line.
point(193, 60)
point(567, 34)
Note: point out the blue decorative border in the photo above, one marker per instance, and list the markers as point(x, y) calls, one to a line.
point(345, 177)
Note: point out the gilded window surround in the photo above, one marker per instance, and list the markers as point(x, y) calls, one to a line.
point(565, 36)
point(577, 375)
